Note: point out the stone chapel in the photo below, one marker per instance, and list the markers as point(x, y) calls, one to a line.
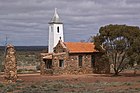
point(69, 57)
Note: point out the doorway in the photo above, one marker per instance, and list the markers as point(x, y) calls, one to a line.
point(48, 64)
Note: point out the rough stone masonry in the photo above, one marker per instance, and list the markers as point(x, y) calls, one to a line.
point(10, 64)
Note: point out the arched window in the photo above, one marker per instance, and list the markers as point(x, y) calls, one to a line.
point(58, 29)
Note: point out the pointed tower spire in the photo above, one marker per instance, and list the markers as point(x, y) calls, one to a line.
point(56, 18)
point(55, 31)
point(55, 13)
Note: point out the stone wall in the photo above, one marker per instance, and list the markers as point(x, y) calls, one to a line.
point(10, 64)
point(71, 64)
point(60, 48)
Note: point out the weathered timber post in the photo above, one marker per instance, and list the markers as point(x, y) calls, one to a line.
point(10, 65)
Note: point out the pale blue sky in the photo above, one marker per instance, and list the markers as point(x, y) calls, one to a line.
point(25, 22)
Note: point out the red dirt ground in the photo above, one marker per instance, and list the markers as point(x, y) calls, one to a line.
point(88, 78)
point(124, 77)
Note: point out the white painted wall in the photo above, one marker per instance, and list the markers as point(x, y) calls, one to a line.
point(54, 35)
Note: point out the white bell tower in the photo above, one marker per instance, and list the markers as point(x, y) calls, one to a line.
point(55, 31)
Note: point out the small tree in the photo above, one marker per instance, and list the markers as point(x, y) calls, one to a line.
point(119, 43)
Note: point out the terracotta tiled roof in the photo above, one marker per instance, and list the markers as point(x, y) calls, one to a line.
point(80, 47)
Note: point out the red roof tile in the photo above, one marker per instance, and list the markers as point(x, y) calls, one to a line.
point(80, 47)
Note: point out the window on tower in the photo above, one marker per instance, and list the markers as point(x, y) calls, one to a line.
point(58, 29)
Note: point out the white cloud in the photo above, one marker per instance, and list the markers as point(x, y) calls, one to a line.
point(26, 21)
